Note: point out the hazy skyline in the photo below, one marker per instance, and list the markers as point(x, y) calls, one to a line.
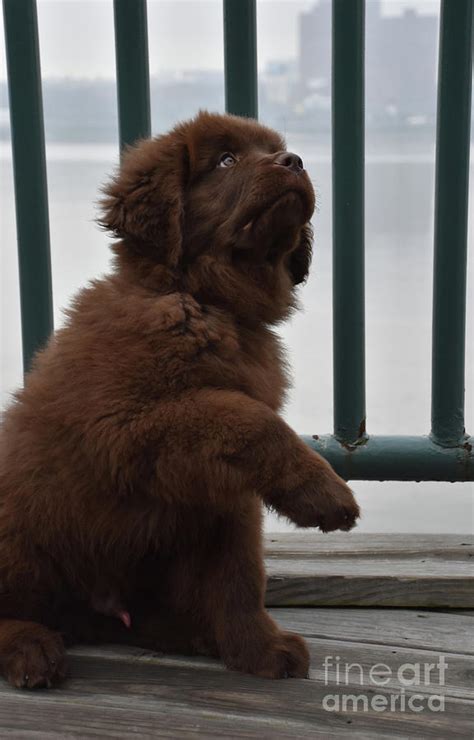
point(76, 36)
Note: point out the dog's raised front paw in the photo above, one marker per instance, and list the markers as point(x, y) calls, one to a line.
point(324, 501)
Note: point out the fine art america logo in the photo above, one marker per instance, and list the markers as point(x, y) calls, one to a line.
point(343, 677)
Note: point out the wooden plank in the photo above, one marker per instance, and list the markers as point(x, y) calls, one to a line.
point(69, 718)
point(356, 544)
point(139, 698)
point(424, 630)
point(350, 664)
point(414, 567)
point(392, 590)
point(354, 661)
point(370, 570)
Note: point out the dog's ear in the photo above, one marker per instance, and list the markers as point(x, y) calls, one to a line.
point(300, 258)
point(143, 204)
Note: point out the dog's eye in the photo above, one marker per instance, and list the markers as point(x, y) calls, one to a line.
point(227, 160)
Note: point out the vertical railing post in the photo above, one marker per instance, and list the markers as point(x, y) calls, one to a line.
point(348, 219)
point(451, 213)
point(240, 57)
point(29, 167)
point(133, 76)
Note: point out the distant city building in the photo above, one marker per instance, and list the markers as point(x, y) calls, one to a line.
point(401, 63)
point(280, 79)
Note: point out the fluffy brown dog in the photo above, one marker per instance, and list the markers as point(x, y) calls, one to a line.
point(136, 460)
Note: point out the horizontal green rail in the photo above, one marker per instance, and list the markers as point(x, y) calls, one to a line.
point(397, 458)
point(29, 168)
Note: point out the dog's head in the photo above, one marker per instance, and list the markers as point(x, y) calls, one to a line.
point(222, 207)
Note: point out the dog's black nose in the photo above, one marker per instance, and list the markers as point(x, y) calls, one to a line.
point(290, 160)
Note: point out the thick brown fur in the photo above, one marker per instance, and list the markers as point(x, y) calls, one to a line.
point(136, 460)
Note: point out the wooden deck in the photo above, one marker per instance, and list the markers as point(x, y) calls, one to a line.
point(125, 692)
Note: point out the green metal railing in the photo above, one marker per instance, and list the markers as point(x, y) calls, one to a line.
point(133, 76)
point(348, 236)
point(446, 453)
point(240, 57)
point(29, 170)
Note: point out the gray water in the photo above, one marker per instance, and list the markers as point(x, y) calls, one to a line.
point(399, 219)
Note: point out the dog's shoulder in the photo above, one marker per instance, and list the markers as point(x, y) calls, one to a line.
point(192, 327)
point(117, 309)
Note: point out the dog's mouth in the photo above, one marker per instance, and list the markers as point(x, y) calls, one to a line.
point(290, 209)
point(288, 194)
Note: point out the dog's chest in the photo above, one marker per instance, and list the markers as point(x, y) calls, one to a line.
point(237, 357)
point(262, 369)
point(208, 347)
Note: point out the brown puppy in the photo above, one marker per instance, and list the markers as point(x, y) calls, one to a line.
point(136, 460)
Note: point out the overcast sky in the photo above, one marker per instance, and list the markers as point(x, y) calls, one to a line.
point(76, 36)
